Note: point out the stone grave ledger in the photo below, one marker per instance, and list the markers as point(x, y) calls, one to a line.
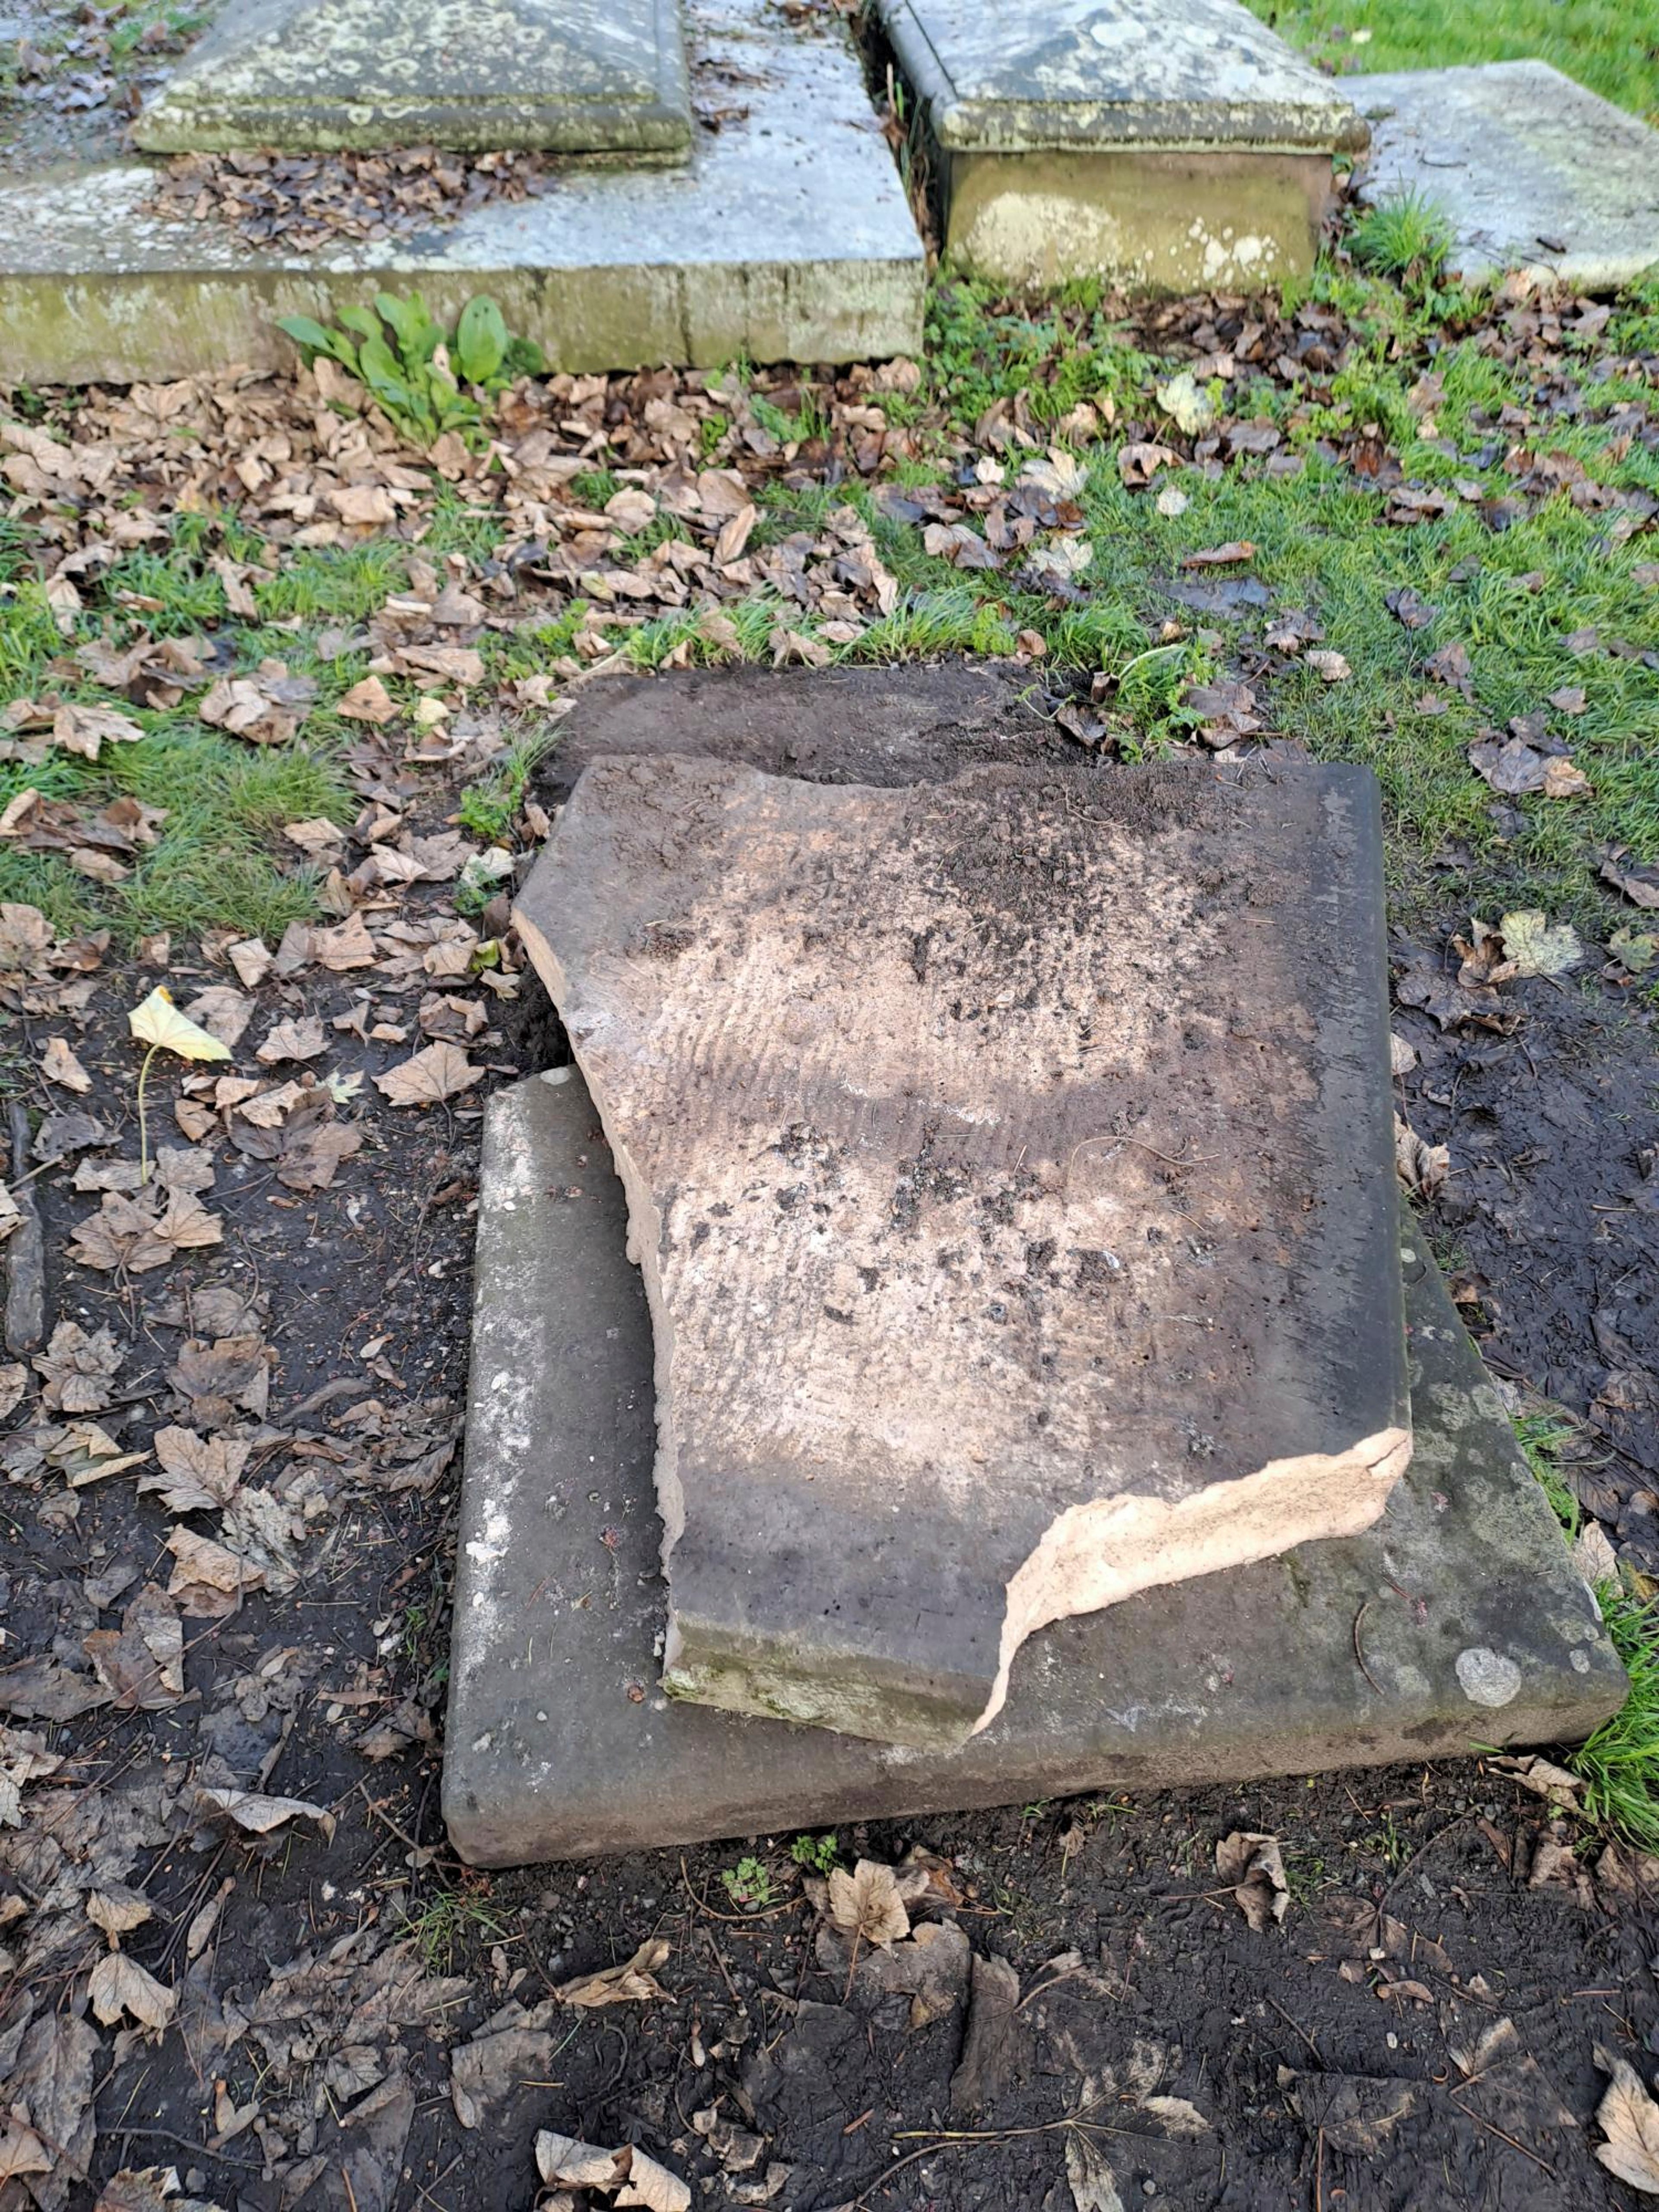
point(1009, 1164)
point(1172, 144)
point(602, 77)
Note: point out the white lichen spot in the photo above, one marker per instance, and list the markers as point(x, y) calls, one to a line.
point(1487, 1677)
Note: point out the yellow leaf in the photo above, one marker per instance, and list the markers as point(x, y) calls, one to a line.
point(158, 1021)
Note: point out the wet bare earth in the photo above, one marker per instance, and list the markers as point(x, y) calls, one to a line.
point(1146, 2041)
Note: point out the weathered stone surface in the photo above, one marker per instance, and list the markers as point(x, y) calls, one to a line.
point(578, 76)
point(1156, 221)
point(786, 236)
point(559, 1745)
point(1534, 174)
point(1009, 1162)
point(1019, 79)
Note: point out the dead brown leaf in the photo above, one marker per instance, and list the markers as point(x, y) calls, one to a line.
point(77, 1369)
point(438, 1071)
point(866, 1904)
point(120, 1985)
point(293, 1038)
point(59, 1064)
point(1253, 1865)
point(1629, 2119)
point(368, 702)
point(199, 1475)
point(1421, 1168)
point(632, 1981)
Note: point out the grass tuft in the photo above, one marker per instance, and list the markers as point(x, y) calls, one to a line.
point(1408, 238)
point(1620, 1764)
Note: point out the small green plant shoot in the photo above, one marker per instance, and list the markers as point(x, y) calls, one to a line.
point(816, 1853)
point(426, 381)
point(748, 1884)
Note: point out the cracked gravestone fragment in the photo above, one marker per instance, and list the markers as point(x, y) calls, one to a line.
point(1010, 1166)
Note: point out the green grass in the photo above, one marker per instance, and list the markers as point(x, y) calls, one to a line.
point(1619, 1766)
point(456, 1919)
point(1511, 597)
point(1609, 47)
point(1408, 238)
point(1542, 1435)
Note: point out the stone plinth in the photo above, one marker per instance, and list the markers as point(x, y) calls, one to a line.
point(1169, 144)
point(1010, 1166)
point(1472, 1627)
point(576, 76)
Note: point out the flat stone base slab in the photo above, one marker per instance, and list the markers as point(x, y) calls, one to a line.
point(786, 236)
point(1536, 174)
point(1458, 1621)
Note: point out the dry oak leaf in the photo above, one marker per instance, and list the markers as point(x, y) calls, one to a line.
point(1639, 882)
point(1252, 1863)
point(209, 1579)
point(368, 702)
point(866, 1904)
point(634, 1980)
point(441, 1071)
point(350, 945)
point(59, 1064)
point(21, 2150)
point(223, 1011)
point(141, 1664)
point(148, 2188)
point(119, 1984)
point(1629, 2119)
point(241, 707)
point(125, 1233)
point(84, 1453)
point(1229, 555)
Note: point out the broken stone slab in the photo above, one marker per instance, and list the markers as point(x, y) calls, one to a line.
point(1167, 144)
point(574, 76)
point(1458, 1621)
point(1533, 173)
point(1009, 1163)
point(786, 236)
